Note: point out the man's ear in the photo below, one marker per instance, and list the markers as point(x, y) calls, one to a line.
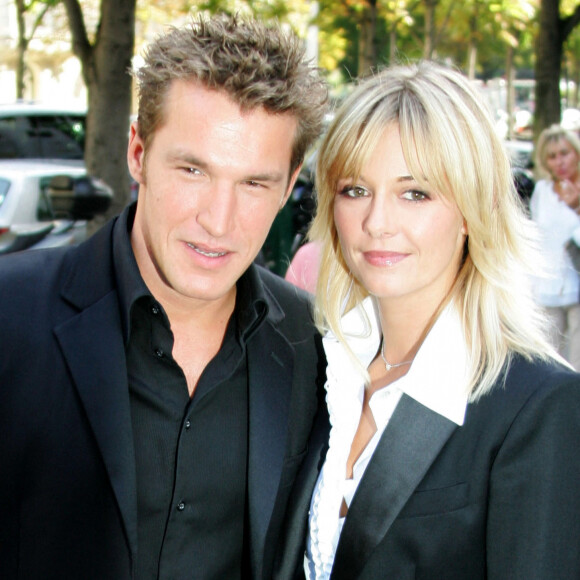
point(291, 183)
point(136, 154)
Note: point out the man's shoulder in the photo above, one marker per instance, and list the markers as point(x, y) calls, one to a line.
point(40, 272)
point(287, 294)
point(31, 266)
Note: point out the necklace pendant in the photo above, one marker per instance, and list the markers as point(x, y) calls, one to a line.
point(388, 366)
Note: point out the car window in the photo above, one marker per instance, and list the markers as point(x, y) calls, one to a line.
point(50, 136)
point(44, 209)
point(4, 187)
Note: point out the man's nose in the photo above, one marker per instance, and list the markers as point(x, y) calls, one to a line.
point(217, 216)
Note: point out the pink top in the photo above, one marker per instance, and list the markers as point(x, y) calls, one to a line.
point(303, 270)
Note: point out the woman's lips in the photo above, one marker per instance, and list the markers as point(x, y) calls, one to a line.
point(377, 258)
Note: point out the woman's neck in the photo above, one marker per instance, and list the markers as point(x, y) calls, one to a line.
point(404, 327)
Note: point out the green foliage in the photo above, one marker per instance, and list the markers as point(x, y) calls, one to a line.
point(484, 28)
point(491, 25)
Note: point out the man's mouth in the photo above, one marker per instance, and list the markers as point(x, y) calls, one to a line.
point(207, 253)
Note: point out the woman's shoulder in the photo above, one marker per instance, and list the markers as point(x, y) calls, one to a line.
point(537, 382)
point(544, 187)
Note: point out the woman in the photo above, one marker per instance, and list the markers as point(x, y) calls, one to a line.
point(555, 208)
point(453, 446)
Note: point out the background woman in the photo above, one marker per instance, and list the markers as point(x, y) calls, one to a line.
point(453, 447)
point(555, 207)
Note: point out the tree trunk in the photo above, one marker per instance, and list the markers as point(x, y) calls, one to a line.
point(393, 45)
point(472, 47)
point(105, 66)
point(510, 101)
point(471, 59)
point(367, 53)
point(21, 49)
point(548, 67)
point(429, 46)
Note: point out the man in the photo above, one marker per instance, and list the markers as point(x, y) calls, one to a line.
point(157, 389)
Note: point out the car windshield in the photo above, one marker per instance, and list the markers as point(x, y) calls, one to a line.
point(50, 136)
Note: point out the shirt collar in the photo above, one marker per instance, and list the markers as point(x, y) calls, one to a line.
point(130, 284)
point(438, 376)
point(251, 304)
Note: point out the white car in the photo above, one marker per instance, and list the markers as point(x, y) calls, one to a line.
point(45, 203)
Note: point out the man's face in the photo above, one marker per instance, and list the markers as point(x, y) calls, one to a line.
point(213, 182)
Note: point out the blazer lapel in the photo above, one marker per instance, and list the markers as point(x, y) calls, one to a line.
point(93, 347)
point(270, 363)
point(412, 440)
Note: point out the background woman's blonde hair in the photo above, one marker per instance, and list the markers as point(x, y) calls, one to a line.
point(450, 144)
point(551, 135)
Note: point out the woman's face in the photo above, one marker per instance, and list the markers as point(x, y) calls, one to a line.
point(400, 241)
point(562, 160)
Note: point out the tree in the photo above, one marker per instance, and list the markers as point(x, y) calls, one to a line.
point(398, 16)
point(367, 49)
point(36, 9)
point(105, 61)
point(553, 32)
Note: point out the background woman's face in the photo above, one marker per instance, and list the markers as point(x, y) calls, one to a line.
point(562, 160)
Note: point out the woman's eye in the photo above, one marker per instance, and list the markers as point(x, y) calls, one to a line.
point(354, 191)
point(415, 195)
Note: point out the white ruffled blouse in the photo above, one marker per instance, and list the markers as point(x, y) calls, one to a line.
point(437, 379)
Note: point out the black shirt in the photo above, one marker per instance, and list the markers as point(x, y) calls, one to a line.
point(190, 454)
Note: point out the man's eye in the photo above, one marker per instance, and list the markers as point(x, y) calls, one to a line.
point(354, 191)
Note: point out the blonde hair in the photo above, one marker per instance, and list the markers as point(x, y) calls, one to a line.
point(449, 142)
point(553, 134)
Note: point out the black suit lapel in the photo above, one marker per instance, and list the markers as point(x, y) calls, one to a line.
point(290, 551)
point(270, 363)
point(412, 440)
point(93, 348)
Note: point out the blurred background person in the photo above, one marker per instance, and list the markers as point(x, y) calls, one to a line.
point(555, 207)
point(303, 269)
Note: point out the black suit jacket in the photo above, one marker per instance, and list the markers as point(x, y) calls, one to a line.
point(67, 469)
point(497, 498)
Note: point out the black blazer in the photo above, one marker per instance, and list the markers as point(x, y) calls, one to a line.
point(497, 498)
point(67, 472)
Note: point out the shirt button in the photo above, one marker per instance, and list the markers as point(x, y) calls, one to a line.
point(187, 424)
point(159, 353)
point(180, 506)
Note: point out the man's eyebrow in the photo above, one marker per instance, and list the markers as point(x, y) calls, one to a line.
point(189, 159)
point(270, 177)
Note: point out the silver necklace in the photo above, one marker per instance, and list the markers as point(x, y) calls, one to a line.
point(388, 365)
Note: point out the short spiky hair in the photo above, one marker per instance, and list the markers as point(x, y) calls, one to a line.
point(256, 64)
